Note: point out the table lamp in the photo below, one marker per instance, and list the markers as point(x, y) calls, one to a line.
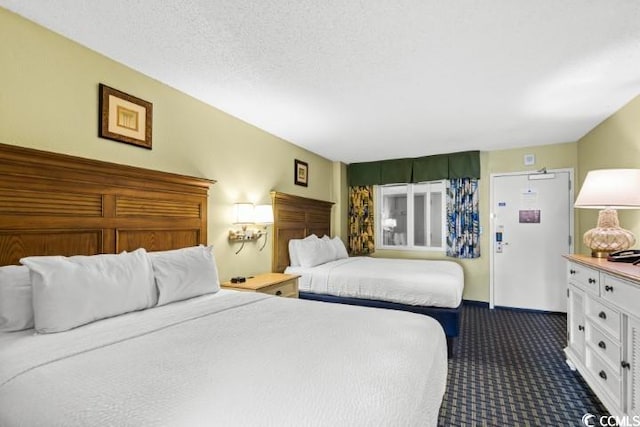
point(608, 190)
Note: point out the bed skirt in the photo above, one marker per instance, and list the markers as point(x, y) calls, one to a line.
point(449, 318)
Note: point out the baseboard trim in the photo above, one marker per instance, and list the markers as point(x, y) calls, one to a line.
point(527, 310)
point(475, 303)
point(499, 307)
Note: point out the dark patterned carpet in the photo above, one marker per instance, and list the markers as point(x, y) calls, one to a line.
point(509, 369)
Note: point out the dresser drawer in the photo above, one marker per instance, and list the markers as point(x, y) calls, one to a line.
point(604, 375)
point(583, 277)
point(608, 349)
point(606, 318)
point(621, 293)
point(284, 289)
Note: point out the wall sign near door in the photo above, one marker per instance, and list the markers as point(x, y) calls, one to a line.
point(529, 217)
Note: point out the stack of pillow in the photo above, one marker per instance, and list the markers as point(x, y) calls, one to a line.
point(56, 293)
point(312, 251)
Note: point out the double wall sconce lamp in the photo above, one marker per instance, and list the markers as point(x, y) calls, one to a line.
point(253, 221)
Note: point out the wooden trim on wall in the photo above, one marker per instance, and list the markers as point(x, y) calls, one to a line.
point(296, 217)
point(56, 204)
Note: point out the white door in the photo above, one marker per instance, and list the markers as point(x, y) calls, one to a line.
point(531, 229)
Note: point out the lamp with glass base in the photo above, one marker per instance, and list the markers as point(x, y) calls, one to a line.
point(608, 190)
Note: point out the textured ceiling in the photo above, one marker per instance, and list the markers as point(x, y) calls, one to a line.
point(367, 80)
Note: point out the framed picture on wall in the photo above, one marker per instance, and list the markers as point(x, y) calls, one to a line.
point(124, 118)
point(301, 173)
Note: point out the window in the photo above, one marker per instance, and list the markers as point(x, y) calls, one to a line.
point(411, 216)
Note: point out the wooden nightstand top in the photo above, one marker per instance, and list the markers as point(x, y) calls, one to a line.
point(261, 281)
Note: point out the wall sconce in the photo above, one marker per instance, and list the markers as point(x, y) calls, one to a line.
point(264, 217)
point(245, 215)
point(609, 189)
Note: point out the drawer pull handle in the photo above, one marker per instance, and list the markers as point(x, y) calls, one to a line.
point(580, 328)
point(602, 315)
point(278, 293)
point(602, 345)
point(603, 375)
point(591, 280)
point(625, 365)
point(572, 271)
point(608, 288)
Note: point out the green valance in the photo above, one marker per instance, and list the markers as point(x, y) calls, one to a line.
point(464, 165)
point(367, 173)
point(429, 168)
point(395, 171)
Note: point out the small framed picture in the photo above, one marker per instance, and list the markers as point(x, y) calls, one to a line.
point(124, 118)
point(301, 173)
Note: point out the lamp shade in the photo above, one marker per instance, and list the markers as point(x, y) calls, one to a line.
point(610, 188)
point(243, 213)
point(389, 223)
point(263, 214)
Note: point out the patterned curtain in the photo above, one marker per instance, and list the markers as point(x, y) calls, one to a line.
point(463, 224)
point(361, 239)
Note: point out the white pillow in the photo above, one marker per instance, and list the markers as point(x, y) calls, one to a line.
point(329, 247)
point(294, 259)
point(340, 249)
point(69, 292)
point(315, 252)
point(185, 273)
point(16, 306)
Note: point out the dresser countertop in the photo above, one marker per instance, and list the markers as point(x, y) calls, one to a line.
point(621, 269)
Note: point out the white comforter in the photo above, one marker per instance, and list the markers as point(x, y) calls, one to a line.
point(229, 359)
point(405, 281)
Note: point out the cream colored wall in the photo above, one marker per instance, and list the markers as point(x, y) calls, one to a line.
point(49, 101)
point(614, 143)
point(339, 219)
point(556, 156)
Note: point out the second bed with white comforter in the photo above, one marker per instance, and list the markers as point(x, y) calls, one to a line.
point(412, 282)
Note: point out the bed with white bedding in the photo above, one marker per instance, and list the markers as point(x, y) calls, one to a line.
point(412, 282)
point(229, 359)
point(430, 287)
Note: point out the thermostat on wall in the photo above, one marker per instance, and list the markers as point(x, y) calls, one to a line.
point(529, 159)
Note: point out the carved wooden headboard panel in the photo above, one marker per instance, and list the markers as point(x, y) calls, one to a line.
point(295, 218)
point(54, 204)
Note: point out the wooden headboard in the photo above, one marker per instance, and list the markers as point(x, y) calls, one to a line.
point(295, 218)
point(54, 204)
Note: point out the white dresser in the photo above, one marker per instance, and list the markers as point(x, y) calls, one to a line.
point(603, 330)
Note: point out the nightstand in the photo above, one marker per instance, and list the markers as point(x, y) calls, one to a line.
point(284, 285)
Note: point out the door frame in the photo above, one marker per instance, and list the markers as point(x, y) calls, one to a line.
point(492, 217)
